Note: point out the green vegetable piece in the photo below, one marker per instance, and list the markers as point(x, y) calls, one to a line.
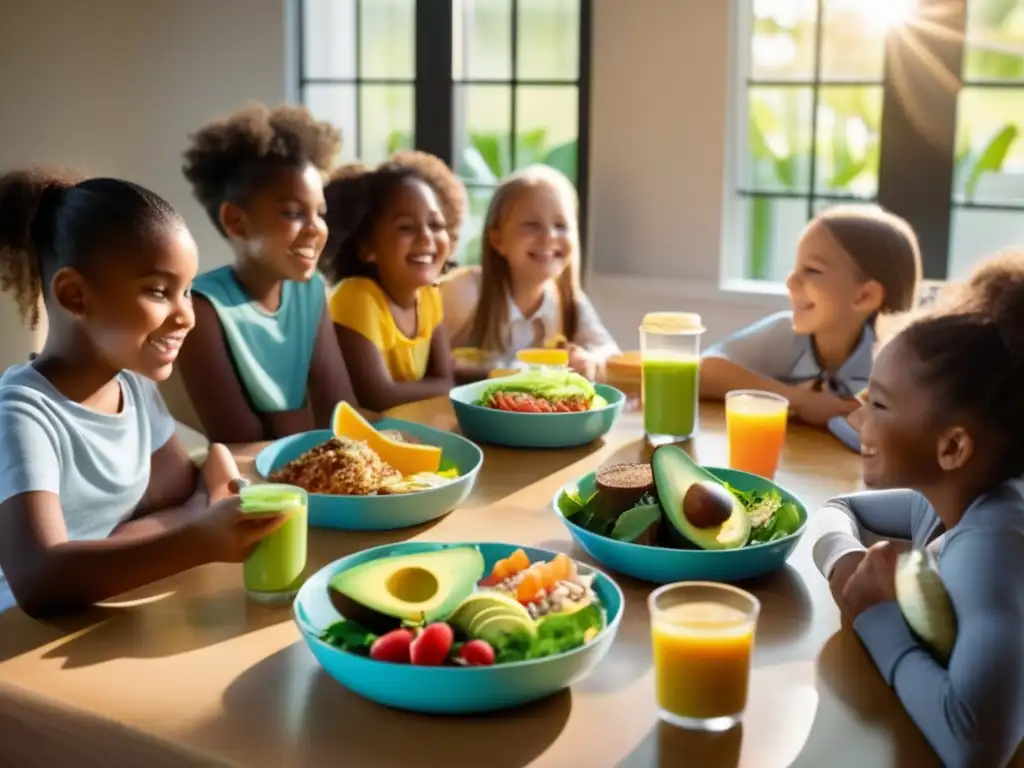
point(639, 525)
point(569, 503)
point(349, 636)
point(787, 519)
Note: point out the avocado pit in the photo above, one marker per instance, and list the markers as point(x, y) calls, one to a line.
point(707, 504)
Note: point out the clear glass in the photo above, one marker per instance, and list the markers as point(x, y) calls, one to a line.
point(755, 425)
point(482, 34)
point(549, 40)
point(779, 139)
point(670, 365)
point(993, 45)
point(329, 38)
point(337, 105)
point(848, 138)
point(385, 121)
point(989, 155)
point(547, 129)
point(483, 124)
point(387, 39)
point(702, 636)
point(274, 571)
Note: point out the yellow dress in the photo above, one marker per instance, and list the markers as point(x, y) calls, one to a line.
point(360, 304)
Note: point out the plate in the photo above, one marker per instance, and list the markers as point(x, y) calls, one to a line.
point(390, 511)
point(450, 690)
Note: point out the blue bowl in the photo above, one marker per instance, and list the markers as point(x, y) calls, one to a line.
point(533, 430)
point(449, 690)
point(662, 565)
point(385, 512)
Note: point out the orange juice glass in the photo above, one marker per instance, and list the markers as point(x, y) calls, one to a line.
point(702, 635)
point(755, 423)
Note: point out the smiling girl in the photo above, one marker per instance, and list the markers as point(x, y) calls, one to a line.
point(388, 244)
point(944, 420)
point(262, 362)
point(853, 262)
point(97, 495)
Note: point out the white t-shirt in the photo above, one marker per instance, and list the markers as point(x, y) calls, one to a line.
point(98, 464)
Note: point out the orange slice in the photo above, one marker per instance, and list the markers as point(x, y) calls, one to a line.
point(407, 458)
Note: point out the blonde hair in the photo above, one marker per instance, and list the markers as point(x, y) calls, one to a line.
point(491, 317)
point(882, 245)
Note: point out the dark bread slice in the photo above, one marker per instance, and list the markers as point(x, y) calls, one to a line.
point(623, 485)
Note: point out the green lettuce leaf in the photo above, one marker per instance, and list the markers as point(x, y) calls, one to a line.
point(546, 384)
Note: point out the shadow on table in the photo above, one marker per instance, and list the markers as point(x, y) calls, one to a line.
point(668, 747)
point(176, 623)
point(326, 545)
point(785, 606)
point(291, 712)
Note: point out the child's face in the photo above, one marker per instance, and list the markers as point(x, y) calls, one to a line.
point(410, 243)
point(826, 289)
point(137, 309)
point(534, 236)
point(903, 442)
point(282, 226)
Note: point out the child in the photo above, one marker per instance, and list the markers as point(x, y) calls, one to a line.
point(526, 291)
point(262, 362)
point(944, 419)
point(450, 191)
point(97, 495)
point(852, 263)
point(388, 243)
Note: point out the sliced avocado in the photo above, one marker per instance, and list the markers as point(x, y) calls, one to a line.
point(478, 602)
point(494, 612)
point(598, 402)
point(674, 474)
point(491, 629)
point(639, 525)
point(422, 587)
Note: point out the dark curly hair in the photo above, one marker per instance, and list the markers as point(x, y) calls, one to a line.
point(971, 353)
point(52, 219)
point(356, 194)
point(233, 155)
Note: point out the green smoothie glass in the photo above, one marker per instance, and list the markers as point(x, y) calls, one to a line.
point(670, 368)
point(272, 574)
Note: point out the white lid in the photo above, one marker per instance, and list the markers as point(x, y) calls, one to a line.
point(672, 322)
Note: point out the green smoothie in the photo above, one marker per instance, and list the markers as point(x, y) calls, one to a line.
point(670, 396)
point(273, 572)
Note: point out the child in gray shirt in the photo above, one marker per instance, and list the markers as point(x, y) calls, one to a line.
point(943, 419)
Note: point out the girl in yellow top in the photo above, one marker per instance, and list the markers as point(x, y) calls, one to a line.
point(526, 290)
point(386, 246)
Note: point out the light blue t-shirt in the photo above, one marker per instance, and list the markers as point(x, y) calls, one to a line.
point(98, 464)
point(772, 348)
point(271, 351)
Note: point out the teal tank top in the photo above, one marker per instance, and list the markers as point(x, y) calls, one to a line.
point(271, 351)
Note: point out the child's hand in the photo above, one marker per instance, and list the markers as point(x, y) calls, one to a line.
point(224, 535)
point(816, 408)
point(218, 472)
point(581, 361)
point(873, 581)
point(841, 573)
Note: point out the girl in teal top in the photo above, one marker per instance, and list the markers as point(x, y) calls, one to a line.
point(262, 362)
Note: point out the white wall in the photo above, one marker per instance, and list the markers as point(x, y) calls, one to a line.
point(114, 86)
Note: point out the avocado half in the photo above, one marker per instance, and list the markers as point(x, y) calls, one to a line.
point(674, 473)
point(417, 588)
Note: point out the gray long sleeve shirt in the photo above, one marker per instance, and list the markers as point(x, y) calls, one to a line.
point(973, 712)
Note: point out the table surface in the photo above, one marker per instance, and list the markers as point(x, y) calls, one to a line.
point(190, 663)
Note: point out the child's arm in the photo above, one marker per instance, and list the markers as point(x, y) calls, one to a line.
point(373, 383)
point(216, 393)
point(591, 334)
point(973, 713)
point(329, 380)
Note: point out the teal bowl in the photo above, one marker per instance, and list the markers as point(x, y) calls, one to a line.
point(449, 690)
point(533, 430)
point(662, 565)
point(386, 512)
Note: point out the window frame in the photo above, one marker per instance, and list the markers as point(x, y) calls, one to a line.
point(434, 87)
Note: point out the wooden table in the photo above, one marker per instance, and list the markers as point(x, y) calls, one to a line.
point(189, 660)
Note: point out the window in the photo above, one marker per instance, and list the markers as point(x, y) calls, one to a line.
point(489, 86)
point(857, 100)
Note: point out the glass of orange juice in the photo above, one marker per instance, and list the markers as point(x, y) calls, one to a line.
point(755, 423)
point(702, 634)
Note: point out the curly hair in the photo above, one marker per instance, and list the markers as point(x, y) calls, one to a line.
point(52, 219)
point(971, 353)
point(232, 156)
point(356, 195)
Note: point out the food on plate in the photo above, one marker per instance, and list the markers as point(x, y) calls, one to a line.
point(437, 608)
point(361, 461)
point(542, 391)
point(686, 507)
point(925, 603)
point(340, 466)
point(406, 457)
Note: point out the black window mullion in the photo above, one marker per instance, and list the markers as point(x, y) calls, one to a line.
point(918, 137)
point(358, 77)
point(433, 112)
point(514, 84)
point(819, 35)
point(583, 123)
